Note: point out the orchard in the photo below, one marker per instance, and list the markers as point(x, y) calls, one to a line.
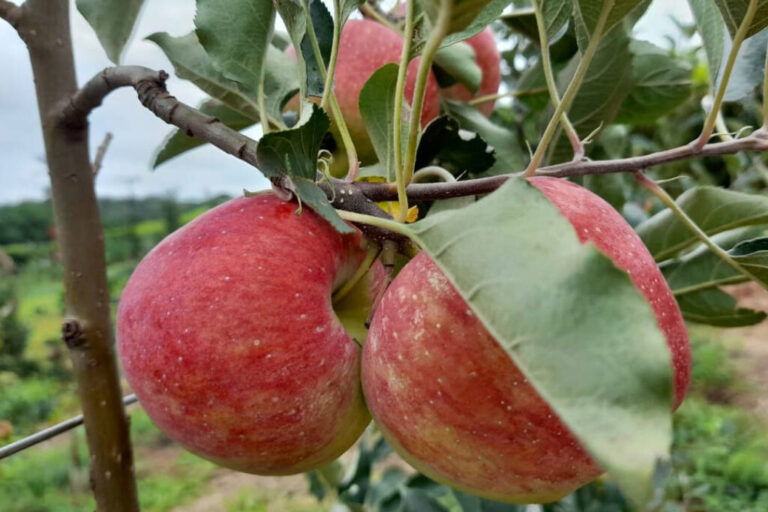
point(489, 236)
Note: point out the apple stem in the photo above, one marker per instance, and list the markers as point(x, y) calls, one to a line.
point(432, 45)
point(370, 220)
point(709, 123)
point(341, 124)
point(572, 90)
point(398, 114)
point(670, 203)
point(546, 61)
point(509, 94)
point(370, 256)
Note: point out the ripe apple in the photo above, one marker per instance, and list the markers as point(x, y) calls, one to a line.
point(488, 58)
point(364, 47)
point(453, 403)
point(229, 336)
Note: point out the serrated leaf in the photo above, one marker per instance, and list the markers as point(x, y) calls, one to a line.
point(456, 150)
point(236, 35)
point(179, 142)
point(715, 307)
point(733, 12)
point(476, 14)
point(587, 13)
point(294, 152)
point(660, 83)
point(113, 22)
point(713, 209)
point(192, 63)
point(614, 392)
point(377, 108)
point(506, 148)
point(459, 63)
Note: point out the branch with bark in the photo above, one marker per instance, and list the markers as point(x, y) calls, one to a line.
point(360, 196)
point(11, 13)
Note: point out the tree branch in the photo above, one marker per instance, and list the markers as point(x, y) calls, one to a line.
point(87, 329)
point(150, 86)
point(11, 13)
point(153, 95)
point(757, 141)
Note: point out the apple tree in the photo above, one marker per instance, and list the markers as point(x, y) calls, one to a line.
point(478, 234)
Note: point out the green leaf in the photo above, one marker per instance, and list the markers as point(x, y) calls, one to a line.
point(295, 22)
point(113, 22)
point(322, 22)
point(715, 307)
point(603, 90)
point(556, 14)
point(748, 69)
point(477, 14)
point(702, 269)
point(506, 148)
point(459, 152)
point(377, 108)
point(587, 13)
point(459, 63)
point(713, 209)
point(347, 7)
point(294, 152)
point(192, 63)
point(469, 503)
point(753, 256)
point(660, 83)
point(523, 21)
point(712, 31)
point(603, 366)
point(179, 142)
point(236, 35)
point(314, 197)
point(733, 12)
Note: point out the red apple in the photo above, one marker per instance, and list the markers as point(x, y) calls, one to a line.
point(488, 58)
point(365, 46)
point(453, 403)
point(228, 334)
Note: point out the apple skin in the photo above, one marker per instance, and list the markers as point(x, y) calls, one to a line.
point(364, 47)
point(452, 402)
point(227, 334)
point(488, 58)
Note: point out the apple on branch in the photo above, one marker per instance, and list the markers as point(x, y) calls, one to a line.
point(454, 404)
point(364, 47)
point(230, 336)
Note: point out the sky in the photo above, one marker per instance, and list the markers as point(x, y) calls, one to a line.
point(126, 169)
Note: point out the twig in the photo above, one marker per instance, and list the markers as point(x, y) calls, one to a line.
point(11, 13)
point(757, 141)
point(100, 152)
point(50, 432)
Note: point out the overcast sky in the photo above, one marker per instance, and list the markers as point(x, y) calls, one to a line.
point(137, 133)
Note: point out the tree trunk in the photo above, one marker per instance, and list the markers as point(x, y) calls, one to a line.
point(87, 330)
